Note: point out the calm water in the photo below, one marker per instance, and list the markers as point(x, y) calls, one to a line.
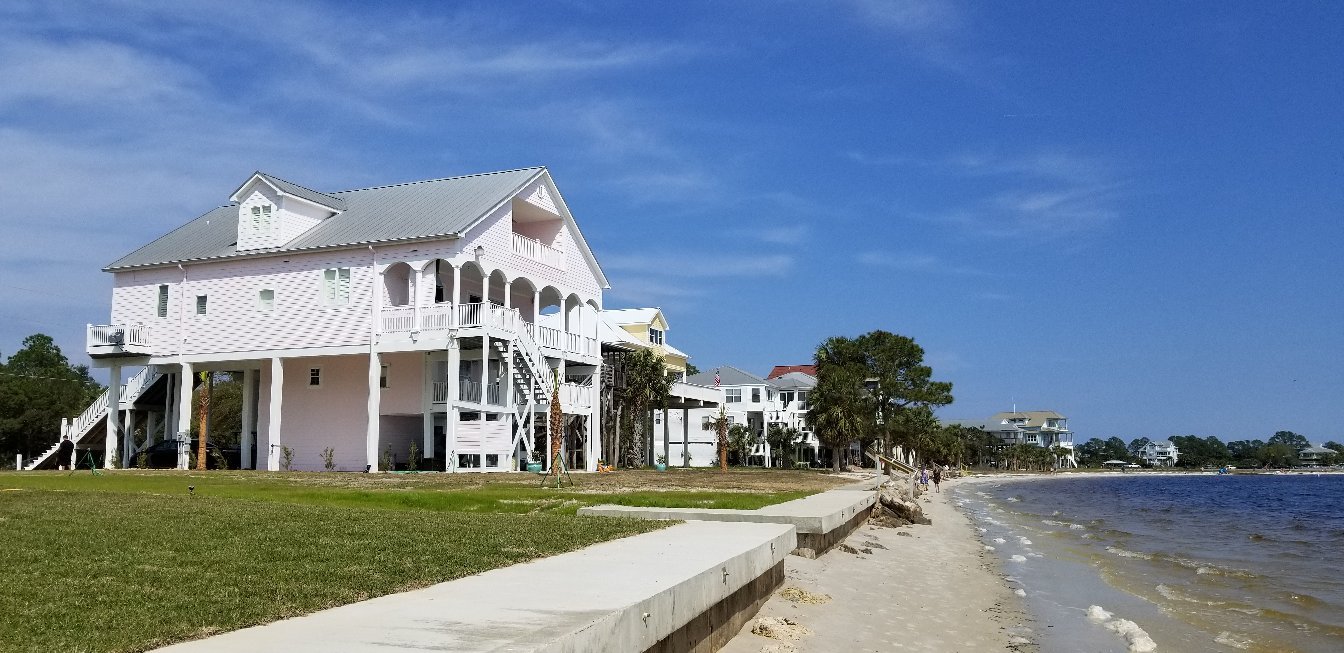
point(1185, 563)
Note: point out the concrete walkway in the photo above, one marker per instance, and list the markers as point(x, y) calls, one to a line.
point(623, 595)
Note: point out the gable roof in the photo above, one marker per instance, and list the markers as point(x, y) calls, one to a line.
point(438, 208)
point(1035, 418)
point(624, 316)
point(291, 188)
point(794, 381)
point(781, 370)
point(728, 375)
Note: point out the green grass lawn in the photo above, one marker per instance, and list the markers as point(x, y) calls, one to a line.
point(130, 560)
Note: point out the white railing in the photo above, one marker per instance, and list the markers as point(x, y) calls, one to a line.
point(536, 363)
point(122, 336)
point(548, 337)
point(399, 319)
point(469, 391)
point(96, 411)
point(143, 379)
point(574, 395)
point(436, 317)
point(538, 251)
point(440, 392)
point(494, 394)
point(470, 315)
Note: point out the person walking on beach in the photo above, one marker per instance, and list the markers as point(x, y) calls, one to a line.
point(937, 477)
point(64, 452)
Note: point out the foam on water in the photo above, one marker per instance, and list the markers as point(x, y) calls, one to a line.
point(1137, 639)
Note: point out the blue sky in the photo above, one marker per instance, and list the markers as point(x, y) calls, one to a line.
point(1129, 213)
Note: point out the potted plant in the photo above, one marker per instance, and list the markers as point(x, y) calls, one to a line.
point(660, 463)
point(534, 465)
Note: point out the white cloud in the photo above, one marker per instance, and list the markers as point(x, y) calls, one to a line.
point(916, 263)
point(702, 266)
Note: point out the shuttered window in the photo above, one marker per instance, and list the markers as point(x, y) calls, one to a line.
point(163, 301)
point(336, 286)
point(261, 218)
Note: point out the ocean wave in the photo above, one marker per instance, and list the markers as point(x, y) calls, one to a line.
point(1018, 558)
point(999, 540)
point(1077, 527)
point(1023, 541)
point(1171, 594)
point(1128, 554)
point(1051, 522)
point(1136, 637)
point(1235, 641)
point(1013, 499)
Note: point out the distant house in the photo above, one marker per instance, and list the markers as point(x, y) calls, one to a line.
point(759, 404)
point(1316, 456)
point(1043, 428)
point(780, 370)
point(1161, 453)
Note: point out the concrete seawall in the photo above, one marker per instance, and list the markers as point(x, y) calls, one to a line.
point(689, 587)
point(822, 520)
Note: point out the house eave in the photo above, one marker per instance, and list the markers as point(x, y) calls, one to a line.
point(270, 253)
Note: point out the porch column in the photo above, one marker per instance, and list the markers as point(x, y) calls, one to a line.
point(536, 310)
point(273, 413)
point(182, 410)
point(485, 367)
point(415, 278)
point(485, 293)
point(457, 302)
point(595, 422)
point(168, 416)
point(508, 287)
point(245, 438)
point(450, 409)
point(427, 407)
point(128, 448)
point(113, 417)
point(373, 404)
point(686, 438)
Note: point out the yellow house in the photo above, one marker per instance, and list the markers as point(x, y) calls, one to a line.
point(646, 327)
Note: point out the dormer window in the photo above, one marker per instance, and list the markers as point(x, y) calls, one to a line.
point(655, 336)
point(261, 218)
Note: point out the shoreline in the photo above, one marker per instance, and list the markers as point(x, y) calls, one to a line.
point(913, 588)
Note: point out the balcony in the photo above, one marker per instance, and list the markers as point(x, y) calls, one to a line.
point(538, 251)
point(115, 340)
point(575, 396)
point(572, 343)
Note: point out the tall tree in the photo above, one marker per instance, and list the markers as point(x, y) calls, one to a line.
point(38, 388)
point(1295, 441)
point(1116, 449)
point(840, 410)
point(646, 387)
point(1136, 446)
point(898, 381)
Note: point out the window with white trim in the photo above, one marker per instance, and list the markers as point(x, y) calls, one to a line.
point(200, 304)
point(163, 300)
point(261, 218)
point(755, 395)
point(655, 336)
point(314, 377)
point(732, 395)
point(266, 300)
point(336, 286)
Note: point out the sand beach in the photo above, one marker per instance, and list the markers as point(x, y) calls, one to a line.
point(914, 588)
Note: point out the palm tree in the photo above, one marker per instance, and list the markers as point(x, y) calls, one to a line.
point(841, 411)
point(646, 387)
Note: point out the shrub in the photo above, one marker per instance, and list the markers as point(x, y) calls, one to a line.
point(220, 461)
point(142, 460)
point(286, 458)
point(386, 461)
point(413, 461)
point(329, 459)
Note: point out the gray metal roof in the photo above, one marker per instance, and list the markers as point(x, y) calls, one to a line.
point(291, 188)
point(728, 375)
point(794, 381)
point(416, 210)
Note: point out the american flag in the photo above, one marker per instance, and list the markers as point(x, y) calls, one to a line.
point(716, 378)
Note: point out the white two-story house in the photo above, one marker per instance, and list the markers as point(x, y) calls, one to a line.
point(1161, 453)
point(1042, 428)
point(442, 312)
point(759, 403)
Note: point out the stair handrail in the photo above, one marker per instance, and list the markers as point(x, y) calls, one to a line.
point(532, 355)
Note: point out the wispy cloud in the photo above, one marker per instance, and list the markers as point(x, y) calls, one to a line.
point(917, 263)
point(703, 266)
point(1044, 194)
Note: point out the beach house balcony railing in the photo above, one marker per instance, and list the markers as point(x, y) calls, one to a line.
point(399, 319)
point(469, 391)
point(538, 251)
point(438, 317)
point(574, 395)
point(107, 340)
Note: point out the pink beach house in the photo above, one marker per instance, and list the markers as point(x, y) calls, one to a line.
point(441, 312)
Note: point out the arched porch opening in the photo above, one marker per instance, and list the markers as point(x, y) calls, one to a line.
point(473, 282)
point(443, 273)
point(497, 281)
point(523, 292)
point(397, 289)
